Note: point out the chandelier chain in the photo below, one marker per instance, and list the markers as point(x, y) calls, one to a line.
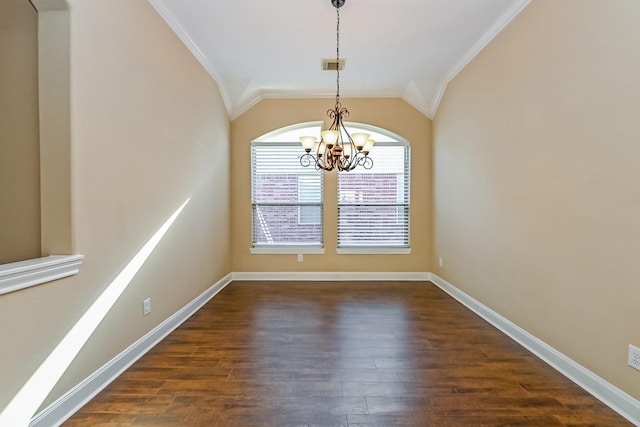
point(336, 148)
point(338, 56)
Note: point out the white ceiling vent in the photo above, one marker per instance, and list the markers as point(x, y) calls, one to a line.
point(332, 64)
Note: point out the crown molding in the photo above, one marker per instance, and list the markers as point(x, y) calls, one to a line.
point(50, 5)
point(244, 106)
point(477, 47)
point(424, 109)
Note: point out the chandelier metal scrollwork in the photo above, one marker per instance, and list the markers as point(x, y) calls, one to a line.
point(337, 149)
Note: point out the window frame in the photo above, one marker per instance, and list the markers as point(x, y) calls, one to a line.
point(272, 139)
point(393, 140)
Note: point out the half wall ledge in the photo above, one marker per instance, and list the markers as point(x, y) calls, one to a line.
point(24, 274)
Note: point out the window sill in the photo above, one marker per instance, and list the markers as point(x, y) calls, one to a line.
point(288, 250)
point(374, 251)
point(24, 274)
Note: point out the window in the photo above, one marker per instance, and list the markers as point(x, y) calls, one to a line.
point(286, 197)
point(307, 210)
point(373, 205)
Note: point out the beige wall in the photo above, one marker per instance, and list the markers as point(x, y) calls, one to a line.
point(19, 141)
point(148, 130)
point(537, 201)
point(388, 113)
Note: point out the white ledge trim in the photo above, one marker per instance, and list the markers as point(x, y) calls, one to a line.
point(23, 274)
point(326, 276)
point(373, 251)
point(287, 250)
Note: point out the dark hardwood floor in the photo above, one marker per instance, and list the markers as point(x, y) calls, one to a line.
point(340, 354)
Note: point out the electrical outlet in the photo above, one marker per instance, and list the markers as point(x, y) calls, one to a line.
point(300, 257)
point(146, 306)
point(440, 262)
point(634, 357)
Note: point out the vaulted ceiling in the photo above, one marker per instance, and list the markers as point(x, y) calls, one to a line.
point(257, 49)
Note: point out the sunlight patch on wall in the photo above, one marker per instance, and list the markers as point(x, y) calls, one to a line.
point(27, 401)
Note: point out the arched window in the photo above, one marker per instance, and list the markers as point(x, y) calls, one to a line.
point(288, 202)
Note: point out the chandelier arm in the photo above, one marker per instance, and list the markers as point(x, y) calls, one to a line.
point(353, 149)
point(335, 115)
point(324, 161)
point(368, 162)
point(326, 165)
point(306, 159)
point(364, 160)
point(351, 163)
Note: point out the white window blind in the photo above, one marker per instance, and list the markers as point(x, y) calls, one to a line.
point(373, 205)
point(286, 197)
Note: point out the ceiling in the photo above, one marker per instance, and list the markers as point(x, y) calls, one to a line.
point(257, 49)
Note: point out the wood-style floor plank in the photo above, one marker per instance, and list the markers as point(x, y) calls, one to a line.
point(340, 354)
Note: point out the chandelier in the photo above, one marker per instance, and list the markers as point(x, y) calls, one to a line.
point(337, 149)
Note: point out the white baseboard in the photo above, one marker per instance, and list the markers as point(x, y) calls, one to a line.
point(610, 395)
point(56, 413)
point(331, 276)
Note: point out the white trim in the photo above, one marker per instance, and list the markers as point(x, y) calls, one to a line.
point(424, 109)
point(274, 133)
point(243, 106)
point(329, 276)
point(182, 34)
point(398, 141)
point(467, 57)
point(281, 144)
point(60, 410)
point(373, 251)
point(33, 272)
point(49, 5)
point(303, 94)
point(610, 395)
point(287, 250)
point(414, 97)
